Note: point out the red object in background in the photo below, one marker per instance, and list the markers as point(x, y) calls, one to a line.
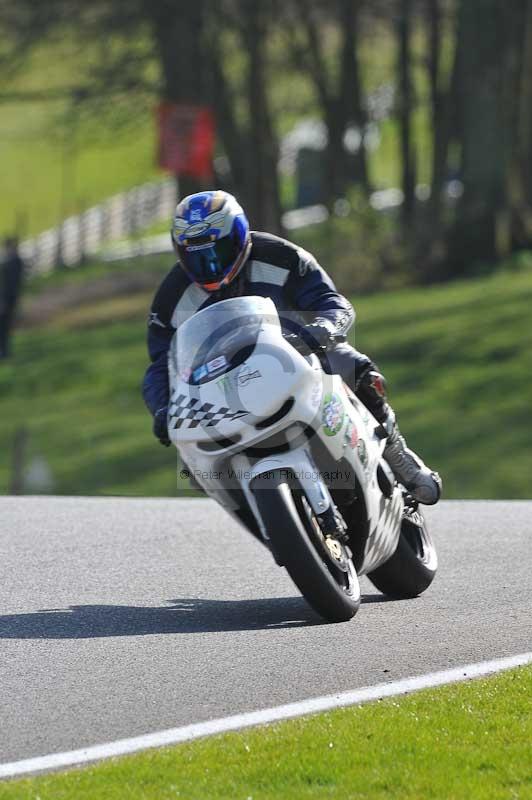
point(186, 139)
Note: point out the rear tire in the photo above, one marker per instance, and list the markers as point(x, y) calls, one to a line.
point(328, 584)
point(413, 566)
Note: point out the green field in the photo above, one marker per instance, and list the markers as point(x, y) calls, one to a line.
point(33, 165)
point(58, 159)
point(461, 742)
point(458, 360)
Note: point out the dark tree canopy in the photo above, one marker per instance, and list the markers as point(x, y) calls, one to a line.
point(475, 57)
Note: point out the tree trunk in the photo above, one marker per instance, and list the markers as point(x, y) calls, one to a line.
point(178, 34)
point(336, 161)
point(350, 86)
point(231, 135)
point(439, 132)
point(431, 248)
point(482, 230)
point(340, 97)
point(262, 147)
point(311, 59)
point(525, 108)
point(406, 101)
point(519, 107)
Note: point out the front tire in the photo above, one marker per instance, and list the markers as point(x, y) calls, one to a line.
point(324, 574)
point(413, 566)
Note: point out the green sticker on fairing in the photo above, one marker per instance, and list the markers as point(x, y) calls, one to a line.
point(332, 415)
point(362, 452)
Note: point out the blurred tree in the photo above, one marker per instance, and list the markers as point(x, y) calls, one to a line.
point(22, 24)
point(405, 109)
point(440, 97)
point(491, 50)
point(264, 202)
point(439, 19)
point(477, 56)
point(521, 156)
point(178, 41)
point(184, 41)
point(249, 139)
point(337, 86)
point(188, 40)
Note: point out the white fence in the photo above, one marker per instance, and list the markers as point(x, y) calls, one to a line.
point(83, 235)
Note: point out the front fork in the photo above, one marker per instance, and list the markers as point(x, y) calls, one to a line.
point(297, 463)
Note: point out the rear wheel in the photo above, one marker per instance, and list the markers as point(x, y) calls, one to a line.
point(413, 566)
point(320, 566)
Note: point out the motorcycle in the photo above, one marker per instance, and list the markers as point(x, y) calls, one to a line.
point(291, 453)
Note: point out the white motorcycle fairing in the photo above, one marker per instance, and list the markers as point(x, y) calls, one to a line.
point(245, 403)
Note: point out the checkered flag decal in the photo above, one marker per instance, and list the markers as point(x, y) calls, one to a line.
point(389, 517)
point(192, 411)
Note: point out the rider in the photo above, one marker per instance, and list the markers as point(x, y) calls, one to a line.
point(219, 257)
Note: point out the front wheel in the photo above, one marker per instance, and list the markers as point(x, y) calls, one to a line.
point(320, 566)
point(413, 566)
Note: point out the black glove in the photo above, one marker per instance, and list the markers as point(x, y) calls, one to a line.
point(313, 338)
point(316, 336)
point(310, 338)
point(160, 426)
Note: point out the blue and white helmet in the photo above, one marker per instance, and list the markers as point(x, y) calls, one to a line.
point(211, 237)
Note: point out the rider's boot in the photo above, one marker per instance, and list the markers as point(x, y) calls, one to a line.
point(409, 469)
point(422, 483)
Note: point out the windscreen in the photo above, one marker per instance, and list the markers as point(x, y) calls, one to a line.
point(220, 337)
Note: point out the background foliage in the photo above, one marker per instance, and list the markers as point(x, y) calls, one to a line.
point(434, 98)
point(445, 85)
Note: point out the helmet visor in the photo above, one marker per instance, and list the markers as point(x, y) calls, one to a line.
point(206, 261)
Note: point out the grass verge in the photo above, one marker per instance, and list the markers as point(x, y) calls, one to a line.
point(467, 740)
point(458, 359)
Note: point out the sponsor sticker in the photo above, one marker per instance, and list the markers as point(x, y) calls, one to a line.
point(351, 435)
point(246, 375)
point(223, 383)
point(196, 229)
point(362, 452)
point(195, 247)
point(332, 415)
point(315, 398)
point(199, 373)
point(216, 364)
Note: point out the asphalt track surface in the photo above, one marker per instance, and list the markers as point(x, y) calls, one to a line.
point(120, 617)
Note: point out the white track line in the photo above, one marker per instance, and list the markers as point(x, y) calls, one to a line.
point(186, 733)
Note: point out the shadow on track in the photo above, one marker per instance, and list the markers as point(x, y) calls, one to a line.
point(190, 615)
point(194, 615)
